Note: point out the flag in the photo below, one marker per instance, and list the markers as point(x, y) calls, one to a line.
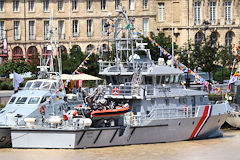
point(16, 80)
point(5, 45)
point(83, 67)
point(127, 27)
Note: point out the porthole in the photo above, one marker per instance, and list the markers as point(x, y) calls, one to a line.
point(193, 123)
point(179, 123)
point(218, 120)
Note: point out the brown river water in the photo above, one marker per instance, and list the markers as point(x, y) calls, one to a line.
point(225, 148)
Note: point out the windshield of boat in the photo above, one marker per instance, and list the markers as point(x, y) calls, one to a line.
point(34, 100)
point(36, 84)
point(12, 100)
point(28, 85)
point(21, 100)
point(46, 85)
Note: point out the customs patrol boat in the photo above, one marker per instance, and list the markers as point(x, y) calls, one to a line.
point(141, 102)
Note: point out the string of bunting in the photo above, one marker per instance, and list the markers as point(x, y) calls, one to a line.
point(198, 78)
point(234, 77)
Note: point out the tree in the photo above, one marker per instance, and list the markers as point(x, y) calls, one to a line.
point(164, 42)
point(75, 58)
point(11, 66)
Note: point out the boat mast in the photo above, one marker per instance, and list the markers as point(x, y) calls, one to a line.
point(51, 41)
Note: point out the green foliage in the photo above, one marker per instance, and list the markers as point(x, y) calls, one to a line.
point(164, 42)
point(6, 84)
point(2, 106)
point(18, 66)
point(75, 58)
point(219, 73)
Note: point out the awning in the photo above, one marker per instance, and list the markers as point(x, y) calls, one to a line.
point(81, 76)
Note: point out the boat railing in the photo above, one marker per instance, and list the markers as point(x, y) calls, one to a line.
point(165, 113)
point(130, 89)
point(127, 66)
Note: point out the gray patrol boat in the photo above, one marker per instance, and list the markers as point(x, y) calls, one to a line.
point(141, 102)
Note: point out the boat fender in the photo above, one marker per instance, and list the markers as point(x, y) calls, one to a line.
point(75, 113)
point(115, 91)
point(42, 109)
point(185, 109)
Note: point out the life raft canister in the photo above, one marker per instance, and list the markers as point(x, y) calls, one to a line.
point(115, 91)
point(42, 109)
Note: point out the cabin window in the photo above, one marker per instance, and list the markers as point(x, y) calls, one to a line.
point(37, 84)
point(108, 79)
point(176, 79)
point(167, 79)
point(163, 80)
point(21, 100)
point(53, 86)
point(114, 79)
point(33, 100)
point(12, 100)
point(182, 100)
point(172, 79)
point(28, 85)
point(148, 80)
point(167, 102)
point(201, 99)
point(158, 79)
point(46, 85)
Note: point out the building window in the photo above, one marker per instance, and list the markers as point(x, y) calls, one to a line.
point(16, 30)
point(89, 28)
point(1, 5)
point(131, 5)
point(60, 29)
point(60, 5)
point(213, 38)
point(46, 30)
point(15, 6)
point(145, 4)
point(104, 21)
point(197, 12)
point(45, 5)
point(145, 25)
point(228, 12)
point(198, 38)
point(74, 5)
point(89, 5)
point(161, 11)
point(213, 12)
point(117, 4)
point(228, 39)
point(90, 47)
point(31, 30)
point(1, 30)
point(30, 5)
point(75, 28)
point(103, 5)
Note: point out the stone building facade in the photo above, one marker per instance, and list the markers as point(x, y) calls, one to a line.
point(26, 23)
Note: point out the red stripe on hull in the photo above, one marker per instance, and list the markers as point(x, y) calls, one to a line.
point(204, 116)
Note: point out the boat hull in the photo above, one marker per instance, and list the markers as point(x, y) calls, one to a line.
point(162, 131)
point(233, 119)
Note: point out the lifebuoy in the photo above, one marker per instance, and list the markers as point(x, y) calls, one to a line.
point(42, 109)
point(115, 91)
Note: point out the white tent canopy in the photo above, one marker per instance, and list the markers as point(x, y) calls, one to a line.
point(81, 76)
